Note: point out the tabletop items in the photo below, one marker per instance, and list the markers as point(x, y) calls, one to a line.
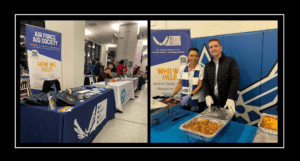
point(65, 98)
point(44, 99)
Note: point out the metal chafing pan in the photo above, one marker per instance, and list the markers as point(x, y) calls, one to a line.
point(265, 130)
point(199, 135)
point(157, 107)
point(163, 107)
point(161, 114)
point(261, 137)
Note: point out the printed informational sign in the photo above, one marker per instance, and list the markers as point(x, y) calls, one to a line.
point(44, 55)
point(169, 50)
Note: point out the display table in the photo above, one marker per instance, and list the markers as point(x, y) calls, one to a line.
point(169, 132)
point(135, 82)
point(82, 124)
point(141, 81)
point(123, 91)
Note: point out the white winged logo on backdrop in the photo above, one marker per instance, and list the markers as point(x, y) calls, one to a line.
point(163, 43)
point(249, 109)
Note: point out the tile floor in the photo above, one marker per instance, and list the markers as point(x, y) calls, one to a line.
point(131, 126)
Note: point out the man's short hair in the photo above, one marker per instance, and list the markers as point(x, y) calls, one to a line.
point(97, 59)
point(107, 68)
point(193, 49)
point(214, 39)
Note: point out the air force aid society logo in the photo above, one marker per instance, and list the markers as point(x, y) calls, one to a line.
point(34, 54)
point(169, 41)
point(98, 115)
point(123, 95)
point(246, 111)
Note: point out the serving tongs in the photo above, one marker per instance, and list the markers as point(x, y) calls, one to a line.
point(159, 97)
point(176, 118)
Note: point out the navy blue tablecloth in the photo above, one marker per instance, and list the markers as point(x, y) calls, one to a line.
point(169, 132)
point(82, 124)
point(24, 76)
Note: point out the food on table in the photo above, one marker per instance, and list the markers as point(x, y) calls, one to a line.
point(269, 122)
point(157, 104)
point(171, 101)
point(206, 126)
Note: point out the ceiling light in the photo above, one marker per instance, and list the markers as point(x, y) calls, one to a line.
point(87, 32)
point(115, 26)
point(143, 23)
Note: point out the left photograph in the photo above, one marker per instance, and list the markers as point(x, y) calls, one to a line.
point(82, 81)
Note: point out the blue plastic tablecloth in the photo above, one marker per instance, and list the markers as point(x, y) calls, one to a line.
point(38, 124)
point(169, 132)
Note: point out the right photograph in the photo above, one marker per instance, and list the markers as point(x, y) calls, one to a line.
point(214, 81)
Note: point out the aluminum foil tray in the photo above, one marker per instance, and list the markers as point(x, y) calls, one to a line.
point(161, 109)
point(261, 137)
point(219, 114)
point(157, 107)
point(201, 136)
point(265, 130)
point(163, 114)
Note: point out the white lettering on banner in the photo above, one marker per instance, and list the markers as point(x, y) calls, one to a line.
point(99, 114)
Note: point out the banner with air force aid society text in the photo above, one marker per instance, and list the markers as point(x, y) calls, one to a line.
point(169, 50)
point(44, 55)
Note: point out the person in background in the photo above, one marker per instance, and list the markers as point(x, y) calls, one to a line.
point(190, 78)
point(91, 67)
point(134, 68)
point(87, 72)
point(221, 78)
point(101, 67)
point(27, 67)
point(97, 68)
point(124, 69)
point(106, 74)
point(114, 69)
point(147, 72)
point(110, 66)
point(120, 69)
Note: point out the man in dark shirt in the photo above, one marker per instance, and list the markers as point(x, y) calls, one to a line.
point(104, 75)
point(221, 78)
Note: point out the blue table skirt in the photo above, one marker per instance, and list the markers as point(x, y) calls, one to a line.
point(38, 125)
point(169, 132)
point(26, 77)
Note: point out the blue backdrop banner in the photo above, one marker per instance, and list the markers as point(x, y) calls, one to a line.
point(256, 55)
